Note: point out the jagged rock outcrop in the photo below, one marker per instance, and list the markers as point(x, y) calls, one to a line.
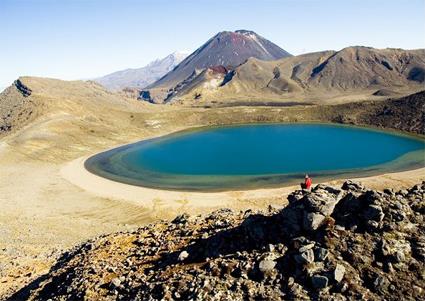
point(25, 91)
point(346, 243)
point(16, 107)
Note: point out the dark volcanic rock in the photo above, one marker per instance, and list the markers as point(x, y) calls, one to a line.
point(404, 114)
point(369, 245)
point(25, 91)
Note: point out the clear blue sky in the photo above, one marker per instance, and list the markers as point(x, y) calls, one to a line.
point(73, 39)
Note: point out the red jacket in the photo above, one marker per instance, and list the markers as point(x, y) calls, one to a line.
point(307, 183)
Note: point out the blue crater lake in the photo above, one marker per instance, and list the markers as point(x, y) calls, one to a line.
point(256, 156)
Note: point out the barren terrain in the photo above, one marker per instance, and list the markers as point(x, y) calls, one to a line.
point(48, 126)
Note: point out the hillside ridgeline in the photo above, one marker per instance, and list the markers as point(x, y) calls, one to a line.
point(51, 114)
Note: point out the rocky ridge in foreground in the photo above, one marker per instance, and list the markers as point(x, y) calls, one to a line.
point(345, 243)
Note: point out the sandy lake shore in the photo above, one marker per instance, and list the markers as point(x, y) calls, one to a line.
point(50, 207)
point(77, 174)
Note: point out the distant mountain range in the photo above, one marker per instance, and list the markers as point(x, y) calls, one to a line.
point(141, 77)
point(353, 73)
point(242, 67)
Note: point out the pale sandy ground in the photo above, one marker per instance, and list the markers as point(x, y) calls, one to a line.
point(48, 207)
point(76, 174)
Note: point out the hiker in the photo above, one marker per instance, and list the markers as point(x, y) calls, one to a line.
point(307, 183)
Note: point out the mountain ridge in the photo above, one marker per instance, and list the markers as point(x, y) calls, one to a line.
point(355, 70)
point(226, 48)
point(141, 77)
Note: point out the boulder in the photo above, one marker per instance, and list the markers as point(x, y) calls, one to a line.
point(115, 283)
point(320, 201)
point(396, 249)
point(306, 247)
point(320, 254)
point(319, 281)
point(312, 221)
point(353, 186)
point(374, 212)
point(181, 219)
point(339, 272)
point(266, 267)
point(318, 205)
point(183, 256)
point(418, 248)
point(305, 257)
point(296, 196)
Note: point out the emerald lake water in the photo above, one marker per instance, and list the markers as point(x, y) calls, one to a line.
point(255, 156)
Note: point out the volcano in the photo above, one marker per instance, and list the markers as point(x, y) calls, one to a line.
point(227, 49)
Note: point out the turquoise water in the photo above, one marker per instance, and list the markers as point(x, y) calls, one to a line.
point(252, 156)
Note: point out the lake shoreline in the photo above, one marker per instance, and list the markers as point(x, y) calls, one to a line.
point(76, 173)
point(101, 163)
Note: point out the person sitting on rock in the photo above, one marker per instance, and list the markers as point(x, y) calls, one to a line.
point(307, 183)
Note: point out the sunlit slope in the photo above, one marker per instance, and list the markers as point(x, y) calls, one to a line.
point(354, 73)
